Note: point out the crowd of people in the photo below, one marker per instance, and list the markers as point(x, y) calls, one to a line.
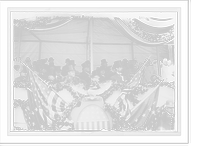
point(121, 71)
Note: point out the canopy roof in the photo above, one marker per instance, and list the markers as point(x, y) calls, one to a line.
point(88, 38)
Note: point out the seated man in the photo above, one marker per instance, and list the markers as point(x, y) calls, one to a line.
point(166, 121)
point(66, 67)
point(71, 78)
point(118, 76)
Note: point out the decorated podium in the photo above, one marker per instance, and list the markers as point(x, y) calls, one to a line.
point(128, 106)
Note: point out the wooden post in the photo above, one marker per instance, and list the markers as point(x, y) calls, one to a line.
point(91, 45)
point(158, 61)
point(19, 42)
point(40, 49)
point(132, 50)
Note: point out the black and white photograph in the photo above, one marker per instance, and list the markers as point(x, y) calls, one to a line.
point(96, 71)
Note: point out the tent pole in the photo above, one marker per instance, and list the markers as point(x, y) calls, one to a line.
point(170, 49)
point(40, 48)
point(91, 45)
point(158, 61)
point(88, 40)
point(19, 42)
point(132, 49)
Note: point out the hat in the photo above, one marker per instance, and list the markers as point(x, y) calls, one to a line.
point(28, 59)
point(154, 61)
point(67, 60)
point(117, 64)
point(51, 59)
point(103, 61)
point(169, 103)
point(125, 61)
point(24, 69)
point(84, 65)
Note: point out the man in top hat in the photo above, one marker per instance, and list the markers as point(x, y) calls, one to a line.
point(44, 72)
point(102, 74)
point(51, 69)
point(23, 75)
point(104, 64)
point(166, 122)
point(85, 74)
point(118, 76)
point(66, 67)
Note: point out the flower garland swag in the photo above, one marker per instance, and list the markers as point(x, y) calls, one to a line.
point(151, 37)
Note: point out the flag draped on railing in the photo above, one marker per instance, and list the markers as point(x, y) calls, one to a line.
point(144, 110)
point(45, 108)
point(137, 77)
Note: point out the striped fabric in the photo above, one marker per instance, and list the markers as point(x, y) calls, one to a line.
point(137, 77)
point(97, 125)
point(45, 98)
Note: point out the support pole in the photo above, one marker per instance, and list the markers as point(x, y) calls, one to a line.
point(171, 53)
point(91, 45)
point(132, 50)
point(158, 61)
point(19, 42)
point(40, 49)
point(88, 40)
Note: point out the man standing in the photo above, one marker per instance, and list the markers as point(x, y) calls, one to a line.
point(65, 68)
point(118, 76)
point(85, 75)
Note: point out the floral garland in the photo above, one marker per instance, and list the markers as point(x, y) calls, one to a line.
point(164, 37)
point(114, 86)
point(21, 82)
point(38, 22)
point(119, 122)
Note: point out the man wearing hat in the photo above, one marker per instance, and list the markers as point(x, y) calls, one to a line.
point(66, 67)
point(23, 75)
point(71, 77)
point(118, 76)
point(85, 75)
point(166, 122)
point(51, 68)
point(102, 74)
point(44, 72)
point(104, 64)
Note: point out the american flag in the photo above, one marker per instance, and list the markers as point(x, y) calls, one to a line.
point(32, 116)
point(144, 110)
point(137, 77)
point(44, 104)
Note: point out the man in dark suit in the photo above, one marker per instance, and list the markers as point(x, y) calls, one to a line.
point(66, 67)
point(118, 76)
point(85, 74)
point(102, 74)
